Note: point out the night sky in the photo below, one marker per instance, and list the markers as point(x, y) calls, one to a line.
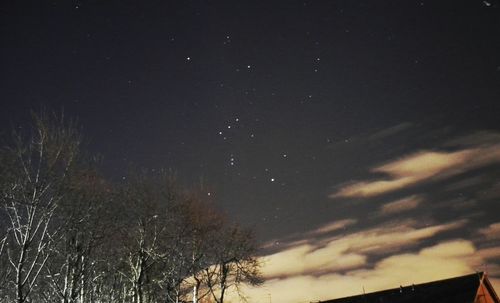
point(361, 139)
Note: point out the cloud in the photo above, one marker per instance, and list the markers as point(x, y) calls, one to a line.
point(491, 232)
point(337, 225)
point(341, 259)
point(308, 259)
point(407, 171)
point(440, 261)
point(490, 253)
point(423, 166)
point(386, 238)
point(348, 251)
point(480, 138)
point(429, 264)
point(457, 248)
point(465, 183)
point(401, 205)
point(298, 239)
point(390, 131)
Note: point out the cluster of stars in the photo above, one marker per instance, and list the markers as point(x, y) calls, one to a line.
point(229, 127)
point(233, 131)
point(230, 130)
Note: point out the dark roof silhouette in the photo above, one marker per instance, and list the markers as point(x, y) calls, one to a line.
point(455, 290)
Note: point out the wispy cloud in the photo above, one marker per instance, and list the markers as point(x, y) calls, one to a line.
point(456, 248)
point(401, 205)
point(349, 251)
point(308, 259)
point(491, 232)
point(407, 171)
point(440, 261)
point(434, 262)
point(480, 138)
point(390, 131)
point(303, 238)
point(490, 253)
point(393, 237)
point(351, 255)
point(423, 166)
point(335, 226)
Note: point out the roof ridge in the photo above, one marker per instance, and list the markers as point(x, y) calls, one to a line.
point(425, 289)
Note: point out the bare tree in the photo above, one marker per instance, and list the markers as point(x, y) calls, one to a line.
point(194, 221)
point(234, 262)
point(5, 269)
point(37, 170)
point(144, 233)
point(69, 236)
point(82, 215)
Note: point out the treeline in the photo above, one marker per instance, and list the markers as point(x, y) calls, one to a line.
point(69, 235)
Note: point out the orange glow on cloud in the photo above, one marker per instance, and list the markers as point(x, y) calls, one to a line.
point(334, 226)
point(401, 205)
point(348, 251)
point(338, 265)
point(340, 259)
point(421, 167)
point(492, 231)
point(313, 283)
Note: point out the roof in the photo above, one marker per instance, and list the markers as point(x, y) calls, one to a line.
point(455, 290)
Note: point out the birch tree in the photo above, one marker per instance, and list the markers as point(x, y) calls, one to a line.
point(67, 235)
point(82, 216)
point(5, 269)
point(37, 167)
